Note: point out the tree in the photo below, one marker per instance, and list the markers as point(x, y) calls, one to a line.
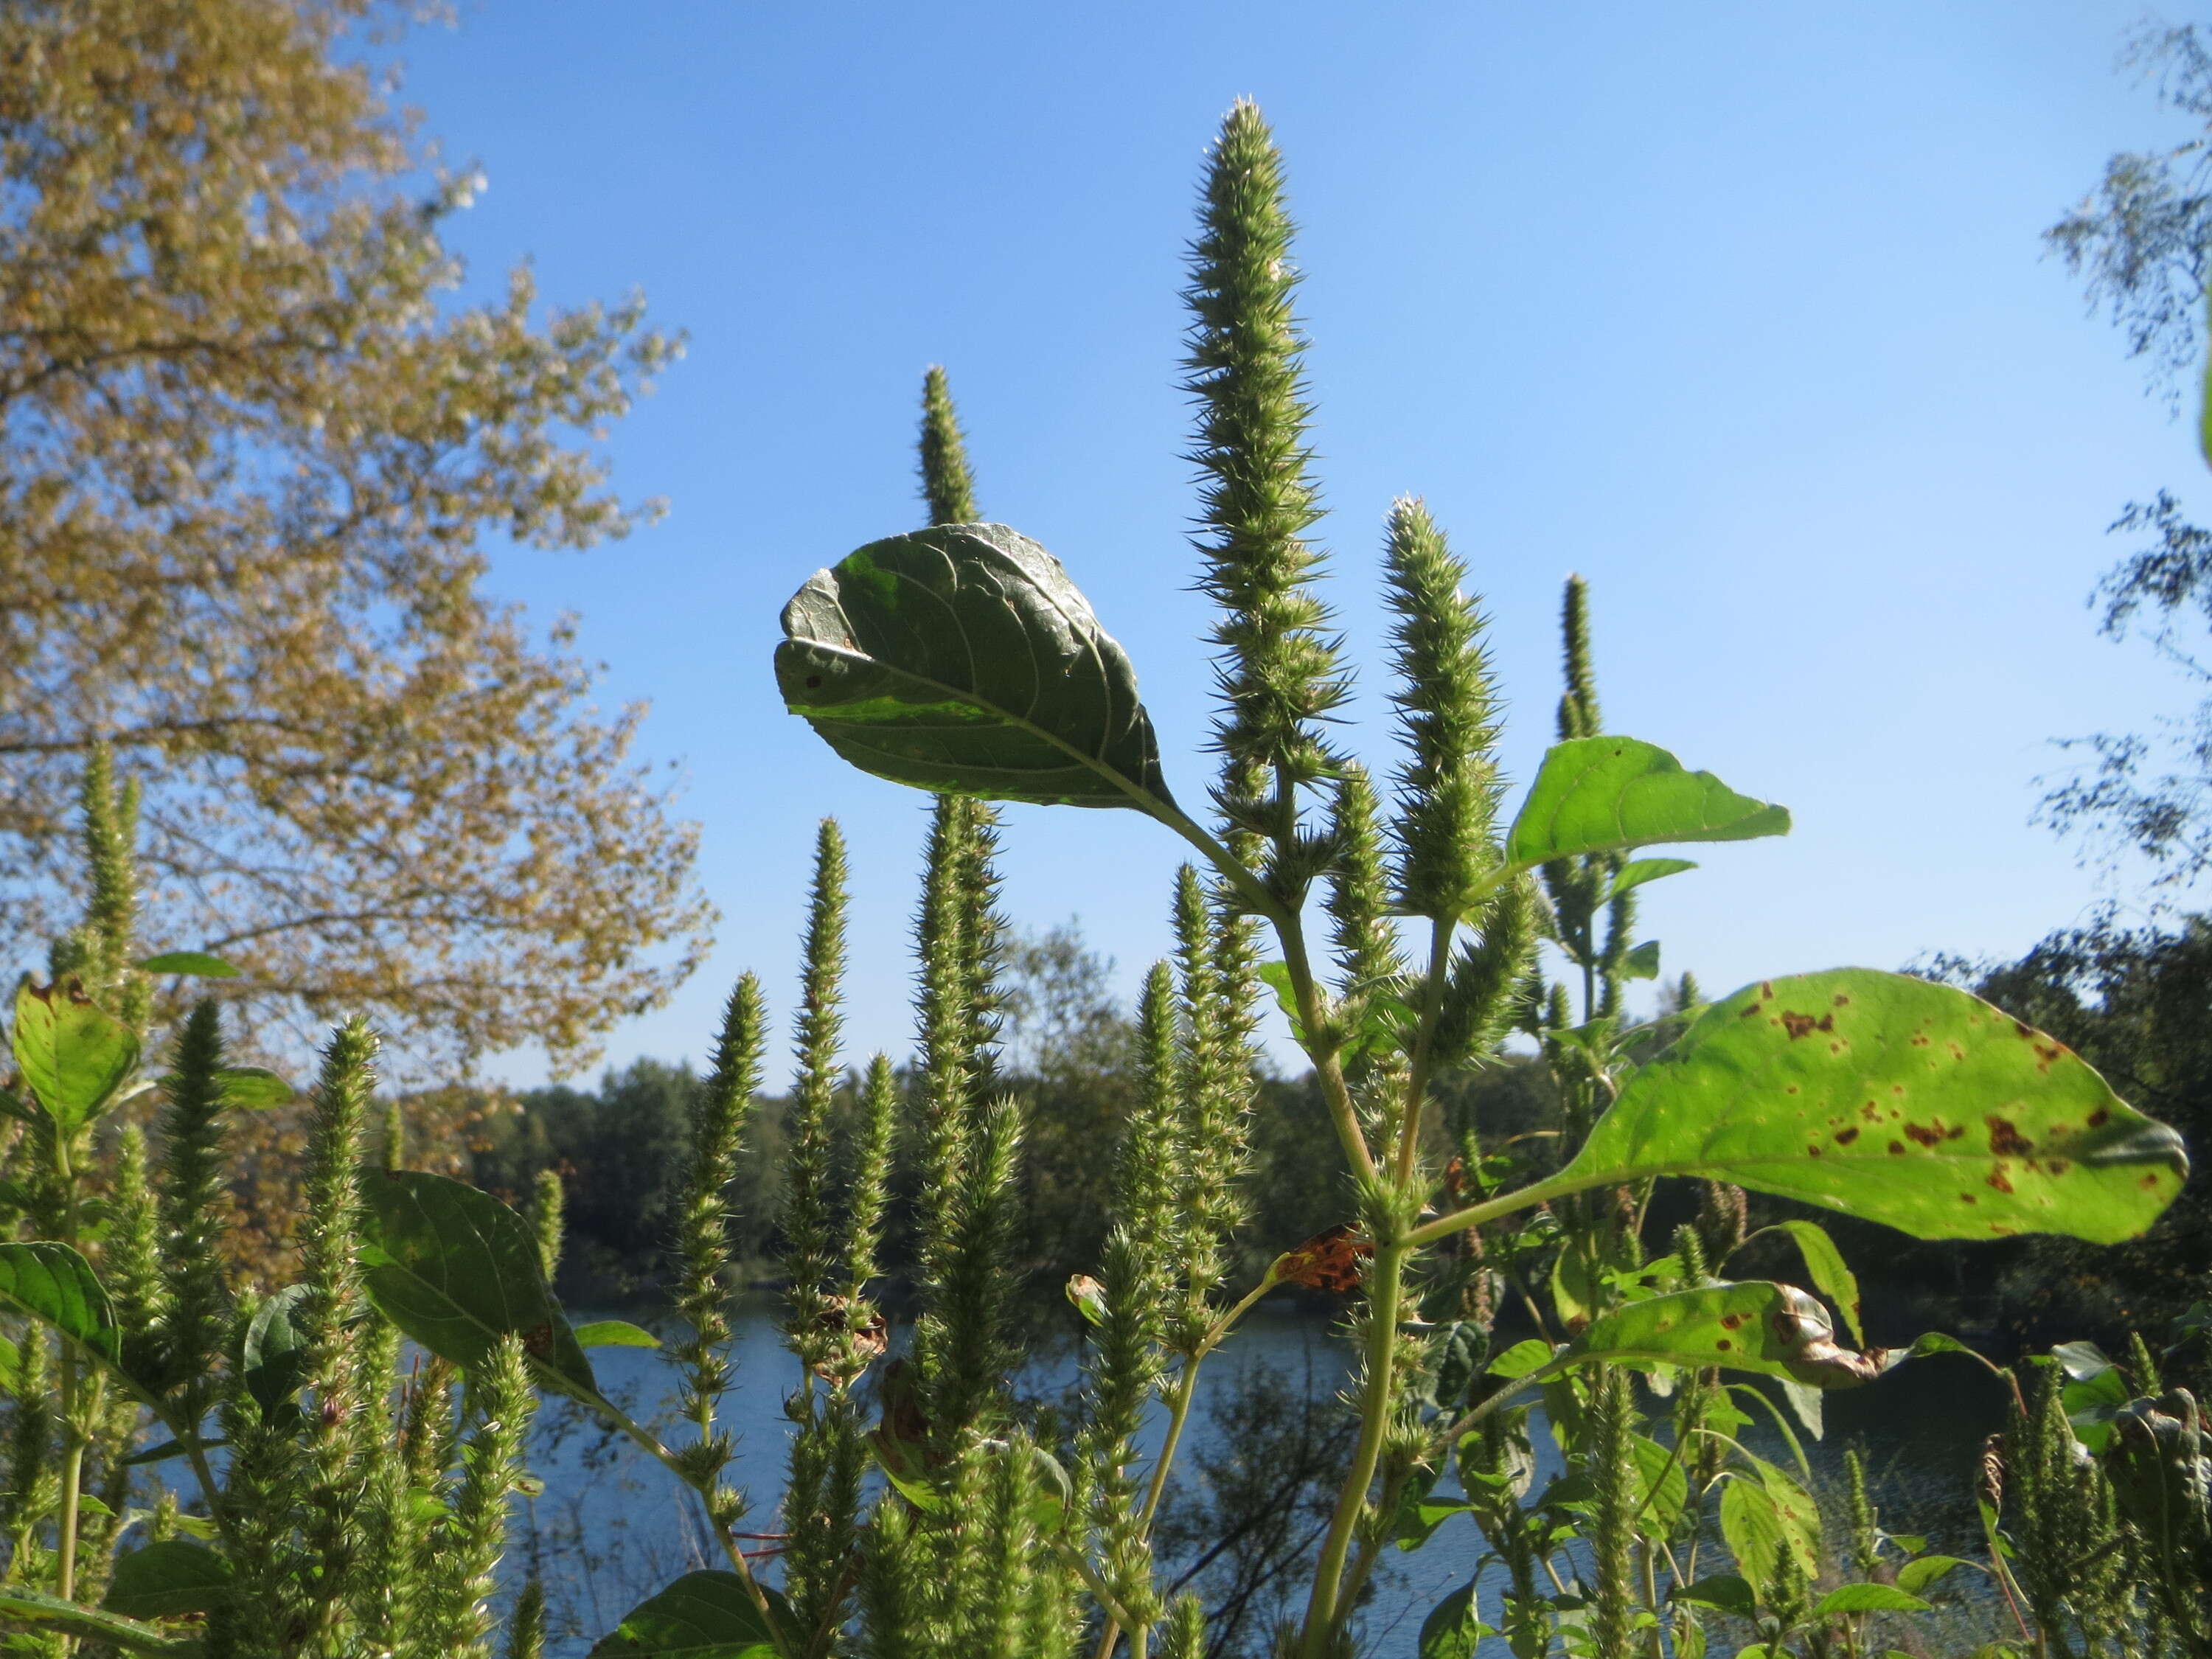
point(2143, 237)
point(252, 459)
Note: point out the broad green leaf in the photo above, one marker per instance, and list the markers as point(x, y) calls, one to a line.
point(1642, 963)
point(199, 962)
point(1522, 1358)
point(1662, 1486)
point(1755, 1326)
point(1916, 1576)
point(275, 1353)
point(167, 1580)
point(74, 1055)
point(614, 1333)
point(1760, 1519)
point(1451, 1631)
point(1724, 1592)
point(1805, 1400)
point(456, 1269)
point(1610, 794)
point(253, 1088)
point(1637, 871)
point(703, 1615)
point(1826, 1267)
point(49, 1613)
point(1866, 1598)
point(1894, 1099)
point(51, 1282)
point(962, 659)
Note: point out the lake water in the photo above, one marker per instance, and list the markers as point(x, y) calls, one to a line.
point(612, 1526)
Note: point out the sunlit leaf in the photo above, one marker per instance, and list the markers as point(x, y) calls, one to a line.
point(73, 1054)
point(49, 1613)
point(962, 659)
point(1755, 1326)
point(1611, 794)
point(253, 1088)
point(614, 1333)
point(1826, 1267)
point(167, 1580)
point(1896, 1100)
point(1523, 1357)
point(51, 1282)
point(1764, 1517)
point(456, 1270)
point(197, 962)
point(1866, 1598)
point(1642, 963)
point(709, 1614)
point(1637, 871)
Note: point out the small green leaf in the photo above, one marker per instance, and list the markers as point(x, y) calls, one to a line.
point(253, 1088)
point(1662, 1486)
point(1642, 963)
point(1610, 794)
point(456, 1270)
point(167, 1580)
point(197, 962)
point(54, 1283)
point(1522, 1358)
point(1866, 1598)
point(1917, 1575)
point(962, 659)
point(614, 1333)
point(1805, 1400)
point(1451, 1631)
point(43, 1611)
point(1896, 1100)
point(1089, 1297)
point(1637, 871)
point(1723, 1592)
point(275, 1353)
point(74, 1055)
point(703, 1615)
point(1276, 976)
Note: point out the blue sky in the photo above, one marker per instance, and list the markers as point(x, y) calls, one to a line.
point(1738, 310)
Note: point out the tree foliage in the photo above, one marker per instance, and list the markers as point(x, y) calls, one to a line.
point(253, 458)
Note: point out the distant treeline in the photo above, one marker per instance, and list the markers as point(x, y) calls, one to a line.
point(2137, 1005)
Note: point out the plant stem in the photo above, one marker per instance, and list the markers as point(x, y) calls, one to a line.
point(1416, 1082)
point(1385, 1288)
point(1566, 1181)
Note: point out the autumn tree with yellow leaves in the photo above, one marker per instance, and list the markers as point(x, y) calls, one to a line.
point(253, 458)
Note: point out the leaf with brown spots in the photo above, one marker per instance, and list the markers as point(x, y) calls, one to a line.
point(1979, 1127)
point(1327, 1262)
point(1755, 1326)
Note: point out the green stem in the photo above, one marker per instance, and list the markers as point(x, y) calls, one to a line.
point(1322, 1605)
point(1567, 1181)
point(1416, 1082)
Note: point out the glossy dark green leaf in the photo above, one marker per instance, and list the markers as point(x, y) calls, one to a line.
point(456, 1270)
point(962, 659)
point(51, 1282)
point(40, 1611)
point(1451, 1631)
point(74, 1055)
point(1611, 794)
point(615, 1334)
point(1866, 1598)
point(167, 1580)
point(1895, 1100)
point(703, 1615)
point(197, 962)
